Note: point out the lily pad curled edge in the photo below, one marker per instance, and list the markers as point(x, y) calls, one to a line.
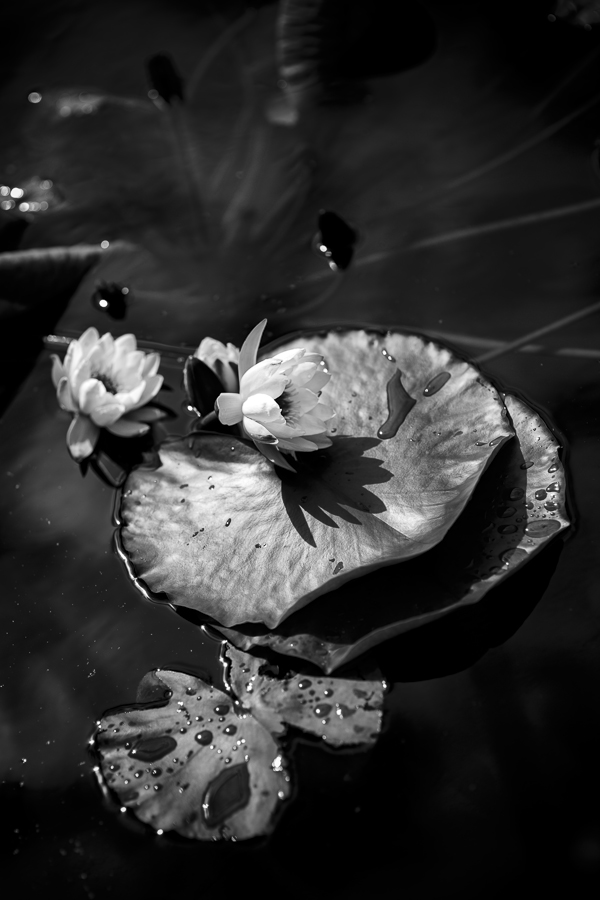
point(518, 506)
point(217, 529)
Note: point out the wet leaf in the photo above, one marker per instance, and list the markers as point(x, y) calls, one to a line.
point(219, 530)
point(36, 277)
point(340, 711)
point(191, 764)
point(517, 507)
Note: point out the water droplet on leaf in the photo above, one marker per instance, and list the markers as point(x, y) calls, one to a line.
point(229, 792)
point(400, 404)
point(541, 529)
point(436, 383)
point(153, 749)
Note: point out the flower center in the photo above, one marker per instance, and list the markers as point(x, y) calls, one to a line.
point(107, 381)
point(285, 403)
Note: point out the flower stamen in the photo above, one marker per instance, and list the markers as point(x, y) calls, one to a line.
point(107, 381)
point(285, 404)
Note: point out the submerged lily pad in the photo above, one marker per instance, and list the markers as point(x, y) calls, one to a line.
point(517, 507)
point(217, 529)
point(192, 764)
point(338, 710)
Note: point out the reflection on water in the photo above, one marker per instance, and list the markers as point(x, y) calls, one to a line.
point(470, 182)
point(74, 620)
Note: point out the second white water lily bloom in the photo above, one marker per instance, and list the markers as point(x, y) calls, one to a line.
point(221, 358)
point(104, 382)
point(278, 403)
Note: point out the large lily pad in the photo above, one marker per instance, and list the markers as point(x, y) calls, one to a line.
point(517, 507)
point(217, 529)
point(190, 763)
point(340, 711)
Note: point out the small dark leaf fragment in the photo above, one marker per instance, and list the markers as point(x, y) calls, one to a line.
point(337, 237)
point(164, 77)
point(201, 384)
point(111, 299)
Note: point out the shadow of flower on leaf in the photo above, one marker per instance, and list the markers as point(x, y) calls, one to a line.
point(334, 483)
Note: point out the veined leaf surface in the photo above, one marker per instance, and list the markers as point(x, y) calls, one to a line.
point(218, 529)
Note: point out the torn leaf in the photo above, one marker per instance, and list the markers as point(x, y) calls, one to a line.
point(340, 711)
point(192, 764)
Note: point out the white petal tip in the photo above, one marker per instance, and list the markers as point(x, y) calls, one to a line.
point(82, 438)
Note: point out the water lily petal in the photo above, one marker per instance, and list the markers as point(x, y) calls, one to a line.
point(151, 364)
point(321, 440)
point(100, 355)
point(99, 359)
point(263, 378)
point(299, 443)
point(125, 365)
point(108, 413)
point(72, 356)
point(287, 356)
point(131, 398)
point(303, 372)
point(319, 380)
point(82, 437)
point(229, 408)
point(126, 343)
point(91, 394)
point(273, 454)
point(262, 408)
point(210, 349)
point(323, 411)
point(58, 370)
point(226, 374)
point(285, 431)
point(127, 428)
point(258, 432)
point(63, 394)
point(80, 373)
point(301, 400)
point(95, 367)
point(250, 348)
point(146, 414)
point(310, 425)
point(151, 389)
point(87, 340)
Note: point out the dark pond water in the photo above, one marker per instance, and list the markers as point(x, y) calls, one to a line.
point(471, 181)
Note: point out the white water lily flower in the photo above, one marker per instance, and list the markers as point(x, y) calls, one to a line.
point(278, 403)
point(220, 357)
point(105, 382)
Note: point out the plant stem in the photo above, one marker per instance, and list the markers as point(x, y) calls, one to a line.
point(532, 335)
point(208, 419)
